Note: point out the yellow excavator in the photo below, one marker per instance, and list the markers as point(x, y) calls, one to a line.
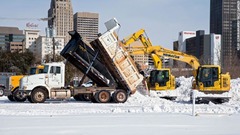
point(208, 78)
point(14, 82)
point(160, 78)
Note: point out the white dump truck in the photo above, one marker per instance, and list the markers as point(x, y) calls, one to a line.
point(106, 63)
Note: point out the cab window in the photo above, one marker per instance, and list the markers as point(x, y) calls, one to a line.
point(58, 69)
point(45, 70)
point(33, 71)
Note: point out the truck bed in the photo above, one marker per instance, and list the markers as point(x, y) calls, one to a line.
point(112, 67)
point(118, 61)
point(78, 53)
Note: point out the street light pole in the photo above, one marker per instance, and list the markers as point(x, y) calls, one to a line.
point(53, 40)
point(53, 37)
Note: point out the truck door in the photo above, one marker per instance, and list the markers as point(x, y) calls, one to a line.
point(55, 76)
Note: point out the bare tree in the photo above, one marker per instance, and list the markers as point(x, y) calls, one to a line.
point(233, 66)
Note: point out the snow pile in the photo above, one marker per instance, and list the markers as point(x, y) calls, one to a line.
point(185, 88)
point(182, 104)
point(235, 89)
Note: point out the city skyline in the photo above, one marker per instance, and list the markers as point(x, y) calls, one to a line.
point(161, 19)
point(61, 14)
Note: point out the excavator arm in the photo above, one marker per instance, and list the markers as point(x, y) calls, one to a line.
point(148, 48)
point(139, 35)
point(166, 53)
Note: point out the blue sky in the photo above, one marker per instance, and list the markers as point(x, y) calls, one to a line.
point(162, 19)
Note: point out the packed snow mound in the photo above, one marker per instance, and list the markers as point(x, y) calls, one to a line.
point(235, 89)
point(184, 90)
point(182, 104)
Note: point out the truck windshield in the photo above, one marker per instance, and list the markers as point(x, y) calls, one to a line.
point(45, 70)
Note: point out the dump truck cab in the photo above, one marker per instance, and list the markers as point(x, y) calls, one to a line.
point(52, 76)
point(13, 83)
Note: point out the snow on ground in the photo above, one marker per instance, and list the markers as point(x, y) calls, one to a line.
point(120, 124)
point(137, 103)
point(141, 114)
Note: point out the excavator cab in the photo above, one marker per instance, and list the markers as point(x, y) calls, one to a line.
point(160, 80)
point(207, 76)
point(210, 79)
point(159, 77)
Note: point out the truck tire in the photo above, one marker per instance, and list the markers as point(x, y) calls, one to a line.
point(10, 97)
point(38, 95)
point(102, 96)
point(18, 97)
point(120, 96)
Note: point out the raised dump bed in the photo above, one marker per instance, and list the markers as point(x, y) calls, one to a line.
point(116, 58)
point(78, 53)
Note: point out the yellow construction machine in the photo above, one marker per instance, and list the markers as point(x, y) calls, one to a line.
point(209, 79)
point(160, 78)
point(14, 81)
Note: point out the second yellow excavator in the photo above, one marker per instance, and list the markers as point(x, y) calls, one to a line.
point(208, 78)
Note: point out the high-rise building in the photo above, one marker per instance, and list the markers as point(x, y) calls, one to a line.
point(224, 20)
point(181, 44)
point(30, 39)
point(11, 39)
point(87, 25)
point(45, 47)
point(194, 45)
point(183, 35)
point(61, 13)
point(205, 47)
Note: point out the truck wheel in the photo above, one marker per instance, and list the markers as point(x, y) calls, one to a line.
point(18, 96)
point(120, 96)
point(10, 97)
point(38, 95)
point(103, 96)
